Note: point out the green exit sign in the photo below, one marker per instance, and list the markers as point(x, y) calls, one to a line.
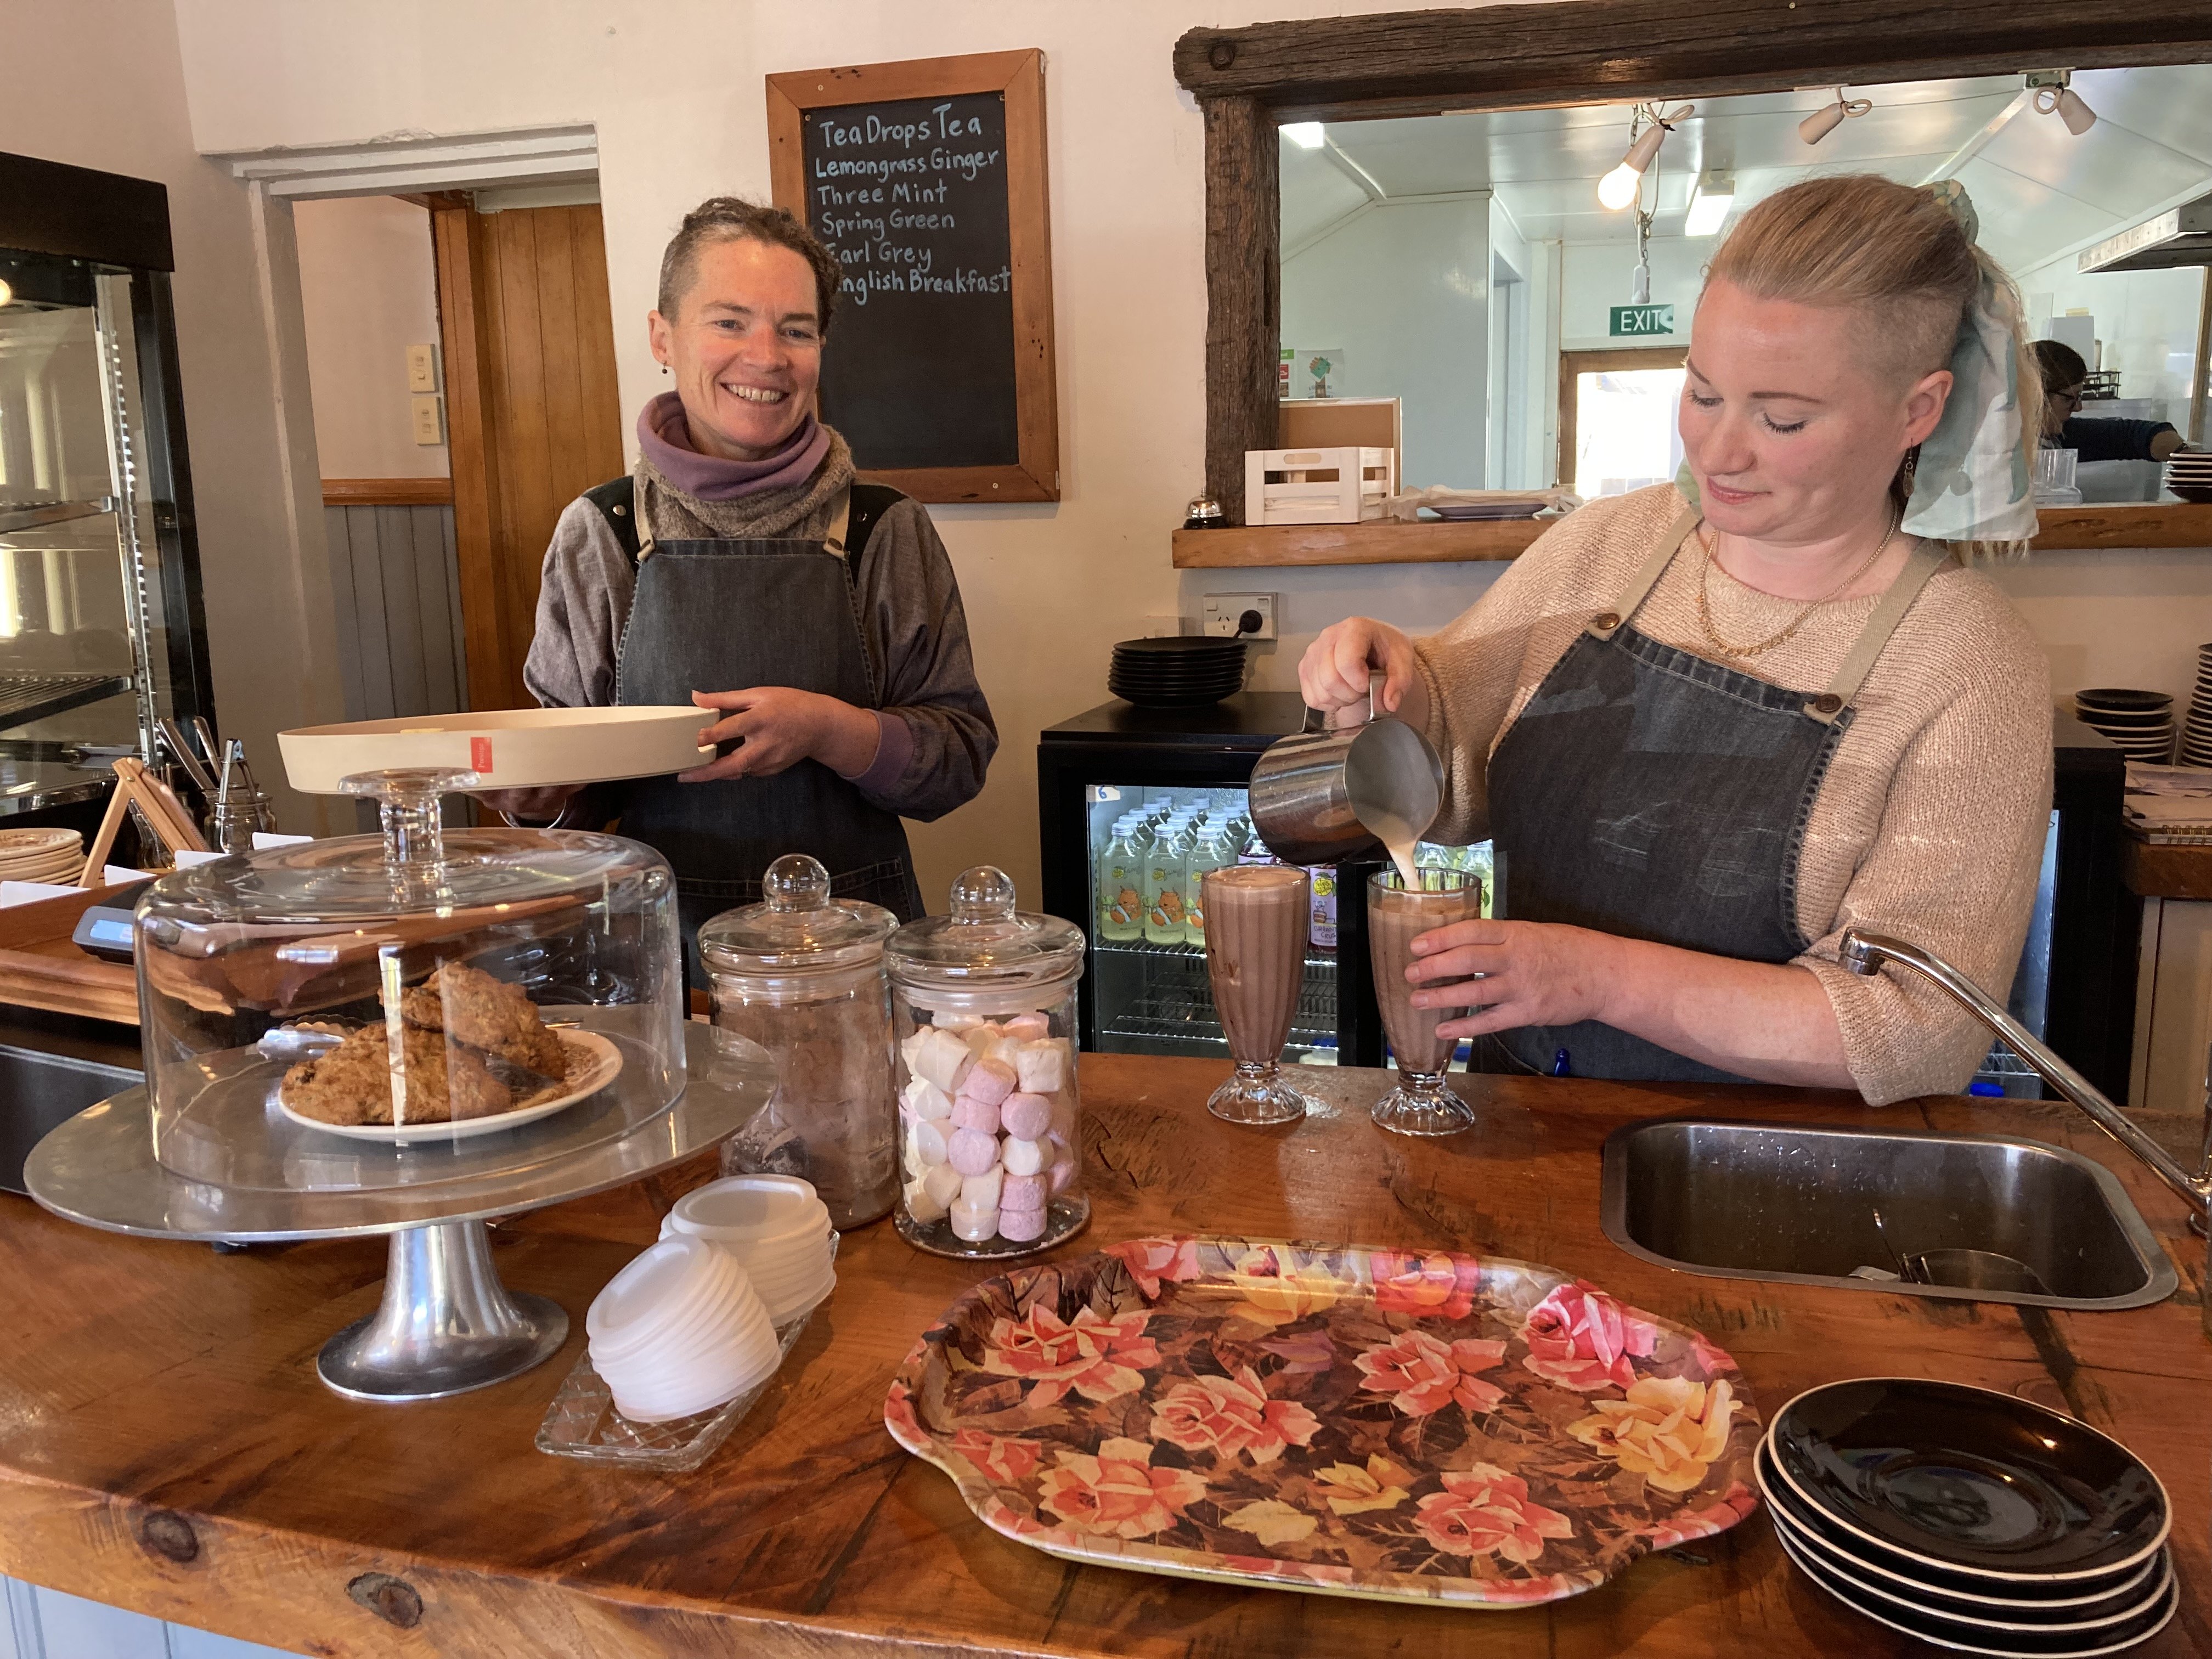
point(1642, 319)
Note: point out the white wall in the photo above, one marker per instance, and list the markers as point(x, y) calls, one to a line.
point(369, 281)
point(99, 84)
point(1595, 278)
point(2145, 321)
point(1404, 288)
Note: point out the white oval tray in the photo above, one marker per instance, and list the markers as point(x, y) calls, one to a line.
point(505, 748)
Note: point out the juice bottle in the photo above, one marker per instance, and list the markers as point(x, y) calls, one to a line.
point(1121, 885)
point(1165, 868)
point(1324, 932)
point(1207, 852)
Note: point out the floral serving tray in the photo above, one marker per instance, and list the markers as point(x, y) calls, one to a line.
point(1416, 1426)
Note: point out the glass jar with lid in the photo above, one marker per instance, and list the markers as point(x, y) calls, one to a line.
point(983, 1005)
point(409, 1009)
point(802, 974)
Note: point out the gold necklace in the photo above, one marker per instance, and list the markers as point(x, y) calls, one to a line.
point(1745, 653)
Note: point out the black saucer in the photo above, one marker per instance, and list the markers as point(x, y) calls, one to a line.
point(1970, 1480)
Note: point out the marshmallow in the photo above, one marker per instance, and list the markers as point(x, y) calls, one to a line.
point(1017, 1192)
point(1019, 1226)
point(971, 1152)
point(925, 1145)
point(922, 1205)
point(1008, 1053)
point(989, 1081)
point(1026, 1115)
point(1028, 1028)
point(958, 1021)
point(910, 1050)
point(942, 1183)
point(981, 1191)
point(944, 1060)
point(1022, 1158)
point(1061, 1175)
point(979, 1039)
point(973, 1224)
point(923, 1098)
point(970, 1113)
point(1043, 1067)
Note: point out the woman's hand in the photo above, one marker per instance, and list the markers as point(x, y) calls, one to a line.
point(776, 727)
point(540, 806)
point(1534, 973)
point(1334, 671)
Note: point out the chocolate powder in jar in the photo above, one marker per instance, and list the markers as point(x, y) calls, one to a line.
point(833, 1120)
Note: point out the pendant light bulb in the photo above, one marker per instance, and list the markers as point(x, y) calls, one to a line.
point(1625, 184)
point(1618, 187)
point(6, 293)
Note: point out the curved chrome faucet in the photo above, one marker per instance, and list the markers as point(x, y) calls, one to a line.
point(1867, 953)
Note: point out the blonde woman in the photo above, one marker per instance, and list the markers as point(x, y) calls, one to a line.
point(1710, 725)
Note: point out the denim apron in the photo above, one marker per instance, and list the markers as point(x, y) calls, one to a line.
point(1653, 794)
point(726, 615)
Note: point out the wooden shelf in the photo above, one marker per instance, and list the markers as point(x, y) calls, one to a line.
point(2180, 872)
point(387, 492)
point(2184, 524)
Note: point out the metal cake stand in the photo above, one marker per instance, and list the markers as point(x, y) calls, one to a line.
point(447, 1324)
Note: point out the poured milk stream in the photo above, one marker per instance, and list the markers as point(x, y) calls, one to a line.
point(1398, 839)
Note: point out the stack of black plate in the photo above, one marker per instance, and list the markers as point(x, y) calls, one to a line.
point(1970, 1519)
point(2140, 722)
point(1187, 671)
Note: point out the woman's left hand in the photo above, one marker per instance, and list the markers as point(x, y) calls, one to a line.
point(1534, 973)
point(776, 727)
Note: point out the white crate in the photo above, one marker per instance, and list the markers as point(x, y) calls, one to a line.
point(1340, 485)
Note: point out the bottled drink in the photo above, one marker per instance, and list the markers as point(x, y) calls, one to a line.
point(1207, 852)
point(1164, 866)
point(1121, 885)
point(1323, 933)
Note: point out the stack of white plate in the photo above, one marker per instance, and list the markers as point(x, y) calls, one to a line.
point(2197, 736)
point(2188, 475)
point(2140, 722)
point(1973, 1519)
point(680, 1331)
point(776, 1229)
point(49, 855)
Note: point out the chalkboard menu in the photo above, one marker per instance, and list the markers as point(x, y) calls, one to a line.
point(912, 199)
point(927, 181)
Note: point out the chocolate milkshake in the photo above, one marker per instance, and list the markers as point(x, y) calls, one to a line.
point(1255, 939)
point(1396, 916)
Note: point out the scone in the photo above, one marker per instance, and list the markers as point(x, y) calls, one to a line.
point(472, 1007)
point(352, 1083)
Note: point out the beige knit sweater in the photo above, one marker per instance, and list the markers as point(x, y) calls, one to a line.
point(1931, 821)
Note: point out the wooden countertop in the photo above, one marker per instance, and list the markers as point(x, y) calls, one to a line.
point(164, 1442)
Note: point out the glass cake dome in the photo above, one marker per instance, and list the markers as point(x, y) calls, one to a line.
point(408, 1008)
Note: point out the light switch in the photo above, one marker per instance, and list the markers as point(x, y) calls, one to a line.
point(422, 368)
point(429, 419)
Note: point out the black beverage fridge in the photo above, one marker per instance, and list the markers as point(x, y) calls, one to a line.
point(1148, 995)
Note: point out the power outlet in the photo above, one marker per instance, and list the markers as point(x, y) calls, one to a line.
point(1224, 612)
point(422, 368)
point(429, 413)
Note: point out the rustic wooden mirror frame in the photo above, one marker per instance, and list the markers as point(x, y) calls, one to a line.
point(1248, 81)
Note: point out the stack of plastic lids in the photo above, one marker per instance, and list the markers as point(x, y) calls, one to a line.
point(680, 1330)
point(774, 1227)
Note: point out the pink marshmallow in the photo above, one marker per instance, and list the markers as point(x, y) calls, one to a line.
point(980, 1116)
point(1025, 1115)
point(971, 1152)
point(1022, 1192)
point(1061, 1176)
point(1019, 1226)
point(989, 1081)
point(1027, 1028)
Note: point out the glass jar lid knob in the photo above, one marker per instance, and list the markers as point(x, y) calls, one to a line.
point(796, 882)
point(985, 893)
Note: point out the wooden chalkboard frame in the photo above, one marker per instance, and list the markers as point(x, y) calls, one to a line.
point(1020, 77)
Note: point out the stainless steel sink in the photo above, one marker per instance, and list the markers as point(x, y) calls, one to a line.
point(1798, 1203)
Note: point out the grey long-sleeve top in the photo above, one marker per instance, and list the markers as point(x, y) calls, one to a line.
point(935, 735)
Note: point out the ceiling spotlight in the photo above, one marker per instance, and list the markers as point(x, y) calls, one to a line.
point(1709, 202)
point(1306, 134)
point(1625, 182)
point(2054, 95)
point(1826, 118)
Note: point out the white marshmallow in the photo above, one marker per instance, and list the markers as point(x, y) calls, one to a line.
point(925, 1145)
point(981, 1191)
point(973, 1224)
point(922, 1204)
point(944, 1185)
point(980, 1038)
point(1022, 1158)
point(923, 1098)
point(1042, 1066)
point(1028, 1028)
point(944, 1060)
point(910, 1050)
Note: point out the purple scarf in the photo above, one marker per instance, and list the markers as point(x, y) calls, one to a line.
point(665, 439)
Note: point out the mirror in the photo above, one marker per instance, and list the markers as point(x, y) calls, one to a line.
point(1468, 266)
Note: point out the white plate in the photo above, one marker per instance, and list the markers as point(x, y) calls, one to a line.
point(606, 1062)
point(505, 748)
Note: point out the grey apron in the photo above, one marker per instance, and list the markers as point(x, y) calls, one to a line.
point(1653, 794)
point(726, 615)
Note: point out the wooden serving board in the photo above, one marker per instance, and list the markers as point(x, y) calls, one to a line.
point(41, 967)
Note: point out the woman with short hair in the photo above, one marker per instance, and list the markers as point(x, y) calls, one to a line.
point(740, 567)
point(1711, 725)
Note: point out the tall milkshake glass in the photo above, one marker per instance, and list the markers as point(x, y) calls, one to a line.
point(1422, 1103)
point(1256, 918)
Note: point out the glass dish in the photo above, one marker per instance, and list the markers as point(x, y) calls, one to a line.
point(582, 1421)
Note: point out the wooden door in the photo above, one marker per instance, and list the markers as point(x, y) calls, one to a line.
point(532, 415)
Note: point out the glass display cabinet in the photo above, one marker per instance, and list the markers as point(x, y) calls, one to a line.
point(101, 634)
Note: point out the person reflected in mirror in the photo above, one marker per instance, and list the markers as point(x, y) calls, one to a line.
point(2064, 374)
